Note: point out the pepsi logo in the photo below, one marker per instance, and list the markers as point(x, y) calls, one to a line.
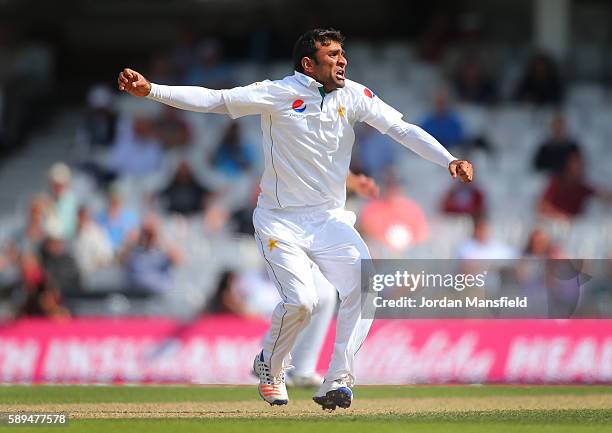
point(368, 92)
point(298, 106)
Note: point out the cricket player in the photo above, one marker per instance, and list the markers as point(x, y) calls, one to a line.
point(309, 343)
point(307, 123)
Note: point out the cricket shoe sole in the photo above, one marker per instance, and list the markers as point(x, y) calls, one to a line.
point(325, 403)
point(341, 397)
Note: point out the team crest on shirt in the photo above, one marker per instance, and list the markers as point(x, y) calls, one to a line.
point(341, 111)
point(368, 93)
point(299, 106)
point(272, 243)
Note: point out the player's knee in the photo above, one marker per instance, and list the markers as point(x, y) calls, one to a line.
point(305, 305)
point(308, 306)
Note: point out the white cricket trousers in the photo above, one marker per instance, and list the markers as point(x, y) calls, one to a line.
point(307, 349)
point(289, 240)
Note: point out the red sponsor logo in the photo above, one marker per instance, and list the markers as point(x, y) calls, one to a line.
point(298, 105)
point(368, 92)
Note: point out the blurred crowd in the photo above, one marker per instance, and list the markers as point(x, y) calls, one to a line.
point(112, 239)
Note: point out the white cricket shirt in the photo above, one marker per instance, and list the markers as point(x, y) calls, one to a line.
point(307, 134)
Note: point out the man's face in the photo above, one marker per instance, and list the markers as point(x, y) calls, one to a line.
point(330, 67)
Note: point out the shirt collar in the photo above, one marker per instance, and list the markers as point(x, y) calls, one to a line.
point(306, 80)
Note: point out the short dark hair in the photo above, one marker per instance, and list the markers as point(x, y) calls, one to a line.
point(306, 45)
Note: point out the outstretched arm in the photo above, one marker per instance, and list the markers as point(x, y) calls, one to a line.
point(190, 98)
point(422, 143)
point(257, 98)
point(372, 110)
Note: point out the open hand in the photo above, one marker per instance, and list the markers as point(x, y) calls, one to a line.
point(134, 83)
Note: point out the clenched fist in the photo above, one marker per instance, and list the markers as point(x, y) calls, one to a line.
point(362, 185)
point(134, 83)
point(462, 169)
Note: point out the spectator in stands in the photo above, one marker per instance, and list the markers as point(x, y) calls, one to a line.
point(9, 274)
point(184, 194)
point(481, 247)
point(375, 153)
point(234, 161)
point(472, 83)
point(259, 293)
point(227, 298)
point(568, 192)
point(215, 218)
point(29, 237)
point(148, 261)
point(600, 290)
point(63, 203)
point(209, 70)
point(234, 155)
point(44, 300)
point(393, 221)
point(553, 152)
point(100, 128)
point(60, 267)
point(20, 262)
point(464, 199)
point(137, 151)
point(444, 123)
point(539, 245)
point(31, 272)
point(172, 129)
point(92, 247)
point(97, 136)
point(541, 82)
point(243, 216)
point(119, 222)
point(550, 285)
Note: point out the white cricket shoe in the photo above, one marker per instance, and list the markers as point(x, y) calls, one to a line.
point(271, 389)
point(336, 393)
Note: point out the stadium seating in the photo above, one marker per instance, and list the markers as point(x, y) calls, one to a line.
point(506, 176)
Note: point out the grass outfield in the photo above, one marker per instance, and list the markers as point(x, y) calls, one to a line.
point(431, 409)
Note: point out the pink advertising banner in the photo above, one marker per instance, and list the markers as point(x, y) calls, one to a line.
point(220, 350)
